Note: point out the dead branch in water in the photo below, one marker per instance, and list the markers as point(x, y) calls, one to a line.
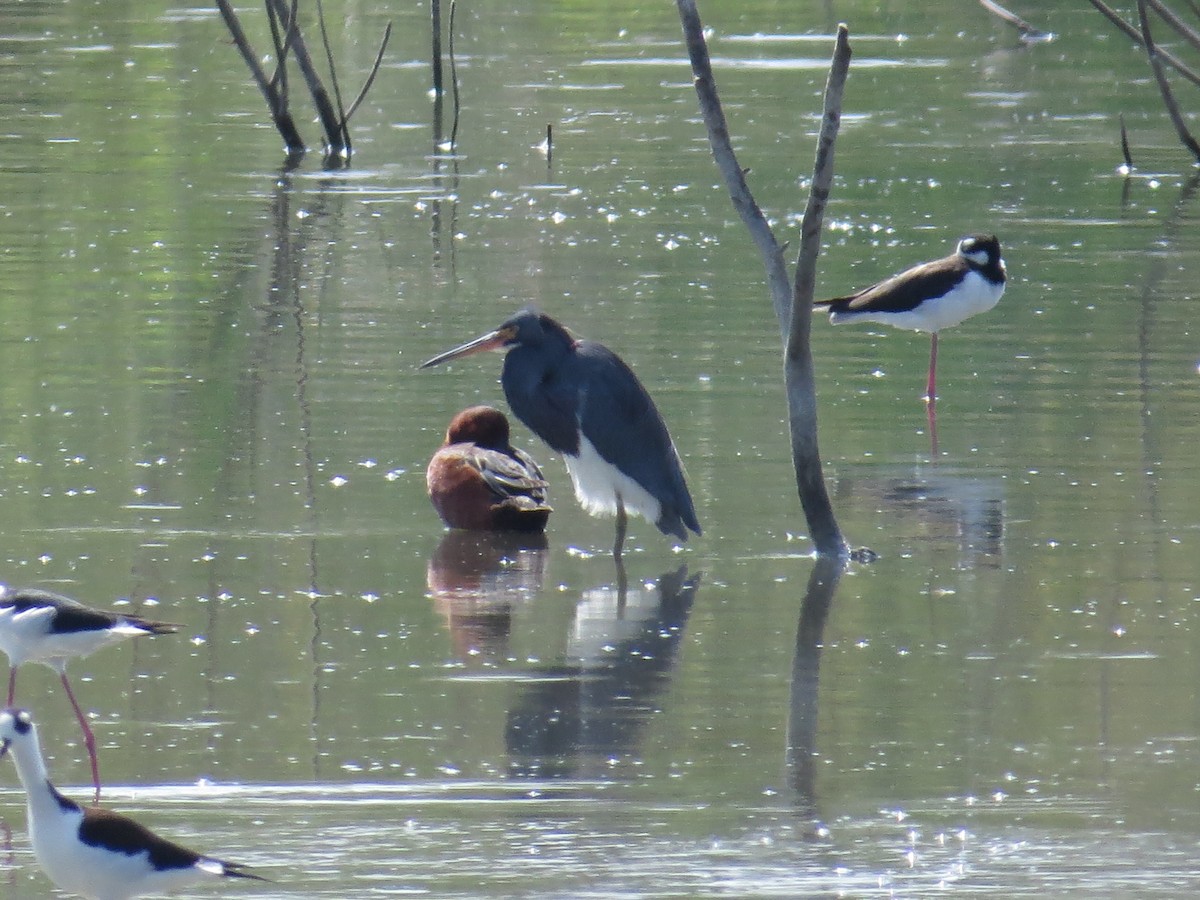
point(1160, 58)
point(454, 79)
point(1164, 86)
point(792, 301)
point(1135, 35)
point(1182, 28)
point(435, 15)
point(337, 143)
point(288, 40)
point(370, 79)
point(273, 90)
point(1029, 34)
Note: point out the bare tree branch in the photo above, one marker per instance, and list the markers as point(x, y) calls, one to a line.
point(1185, 31)
point(793, 320)
point(279, 76)
point(435, 13)
point(731, 170)
point(1164, 86)
point(283, 45)
point(276, 103)
point(798, 361)
point(333, 79)
point(330, 120)
point(362, 94)
point(286, 39)
point(454, 77)
point(818, 196)
point(1029, 34)
point(1134, 35)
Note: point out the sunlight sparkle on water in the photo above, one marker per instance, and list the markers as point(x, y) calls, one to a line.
point(526, 717)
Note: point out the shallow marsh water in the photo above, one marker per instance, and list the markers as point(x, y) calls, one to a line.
point(211, 408)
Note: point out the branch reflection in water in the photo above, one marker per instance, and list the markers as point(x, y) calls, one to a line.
point(800, 756)
point(935, 509)
point(278, 310)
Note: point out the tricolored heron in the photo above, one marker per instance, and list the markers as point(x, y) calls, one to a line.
point(41, 626)
point(586, 403)
point(931, 296)
point(479, 482)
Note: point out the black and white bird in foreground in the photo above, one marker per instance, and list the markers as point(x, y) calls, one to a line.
point(930, 297)
point(41, 626)
point(92, 852)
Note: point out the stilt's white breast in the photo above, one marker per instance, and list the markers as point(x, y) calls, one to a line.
point(970, 297)
point(21, 632)
point(28, 636)
point(598, 484)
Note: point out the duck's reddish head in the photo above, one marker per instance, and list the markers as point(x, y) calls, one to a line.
point(483, 426)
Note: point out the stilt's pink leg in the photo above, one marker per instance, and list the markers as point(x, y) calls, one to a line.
point(931, 416)
point(12, 684)
point(89, 739)
point(931, 384)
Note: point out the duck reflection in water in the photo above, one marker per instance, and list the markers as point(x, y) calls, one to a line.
point(480, 482)
point(477, 579)
point(574, 719)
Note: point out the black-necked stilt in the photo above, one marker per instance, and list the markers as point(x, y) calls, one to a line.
point(585, 402)
point(94, 852)
point(480, 482)
point(41, 626)
point(931, 296)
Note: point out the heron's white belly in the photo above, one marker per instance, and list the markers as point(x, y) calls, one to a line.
point(598, 484)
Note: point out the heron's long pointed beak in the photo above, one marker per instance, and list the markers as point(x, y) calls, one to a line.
point(493, 340)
